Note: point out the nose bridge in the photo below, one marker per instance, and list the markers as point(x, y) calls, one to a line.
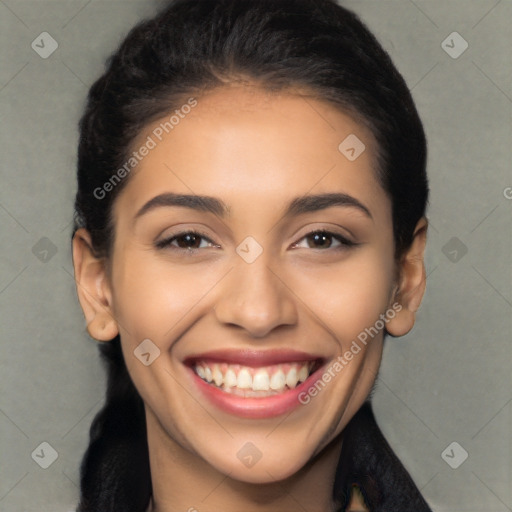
point(255, 298)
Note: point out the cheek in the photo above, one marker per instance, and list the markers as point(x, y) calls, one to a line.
point(153, 297)
point(349, 296)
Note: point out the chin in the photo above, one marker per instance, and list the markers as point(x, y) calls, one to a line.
point(267, 474)
point(264, 471)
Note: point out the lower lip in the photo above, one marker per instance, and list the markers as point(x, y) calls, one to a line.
point(254, 408)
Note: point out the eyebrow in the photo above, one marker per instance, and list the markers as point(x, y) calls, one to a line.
point(313, 203)
point(194, 202)
point(298, 206)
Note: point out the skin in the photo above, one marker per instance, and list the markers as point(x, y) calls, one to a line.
point(256, 152)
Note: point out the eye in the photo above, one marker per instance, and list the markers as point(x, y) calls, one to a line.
point(186, 241)
point(325, 240)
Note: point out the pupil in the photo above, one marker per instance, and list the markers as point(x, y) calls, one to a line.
point(190, 240)
point(321, 239)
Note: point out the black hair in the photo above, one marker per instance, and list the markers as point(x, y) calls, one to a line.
point(189, 47)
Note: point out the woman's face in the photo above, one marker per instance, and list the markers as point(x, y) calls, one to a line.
point(256, 286)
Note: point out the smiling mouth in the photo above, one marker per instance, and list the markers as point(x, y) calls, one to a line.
point(251, 382)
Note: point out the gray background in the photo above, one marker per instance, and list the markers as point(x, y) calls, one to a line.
point(448, 381)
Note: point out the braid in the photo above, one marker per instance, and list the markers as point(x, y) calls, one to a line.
point(115, 474)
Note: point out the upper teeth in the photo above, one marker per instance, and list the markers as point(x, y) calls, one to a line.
point(274, 377)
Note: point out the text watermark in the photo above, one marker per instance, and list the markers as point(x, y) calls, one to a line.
point(342, 361)
point(151, 142)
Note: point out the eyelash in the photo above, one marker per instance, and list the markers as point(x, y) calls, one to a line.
point(166, 243)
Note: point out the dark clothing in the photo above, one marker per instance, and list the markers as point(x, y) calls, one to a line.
point(368, 461)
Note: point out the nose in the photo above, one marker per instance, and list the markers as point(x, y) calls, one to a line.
point(255, 298)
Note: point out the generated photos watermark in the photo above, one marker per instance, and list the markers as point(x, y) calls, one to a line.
point(157, 135)
point(342, 361)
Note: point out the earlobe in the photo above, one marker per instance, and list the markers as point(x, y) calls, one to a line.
point(93, 288)
point(411, 283)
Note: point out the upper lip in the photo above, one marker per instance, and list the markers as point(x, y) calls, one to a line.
point(253, 358)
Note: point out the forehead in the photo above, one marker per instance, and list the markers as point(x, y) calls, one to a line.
point(255, 150)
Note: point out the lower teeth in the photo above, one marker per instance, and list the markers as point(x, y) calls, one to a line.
point(250, 393)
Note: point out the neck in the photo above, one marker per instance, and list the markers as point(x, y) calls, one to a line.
point(183, 481)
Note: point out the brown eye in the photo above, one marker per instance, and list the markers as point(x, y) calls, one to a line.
point(186, 241)
point(320, 240)
point(325, 240)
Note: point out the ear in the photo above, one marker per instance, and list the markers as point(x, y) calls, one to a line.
point(93, 288)
point(411, 283)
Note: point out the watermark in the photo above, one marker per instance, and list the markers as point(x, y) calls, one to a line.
point(249, 454)
point(342, 361)
point(454, 45)
point(249, 250)
point(44, 45)
point(454, 455)
point(352, 147)
point(151, 143)
point(146, 352)
point(454, 250)
point(167, 126)
point(45, 455)
point(44, 250)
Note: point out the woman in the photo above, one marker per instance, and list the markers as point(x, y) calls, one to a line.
point(250, 224)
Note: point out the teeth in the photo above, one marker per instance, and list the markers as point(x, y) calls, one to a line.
point(261, 381)
point(303, 374)
point(217, 375)
point(292, 378)
point(230, 379)
point(271, 379)
point(244, 380)
point(278, 381)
